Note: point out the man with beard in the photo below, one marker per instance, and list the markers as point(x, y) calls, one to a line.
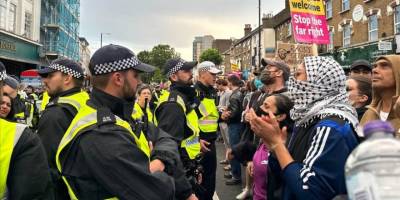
point(63, 80)
point(104, 153)
point(208, 115)
point(176, 115)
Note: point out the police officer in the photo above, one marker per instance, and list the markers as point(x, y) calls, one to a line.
point(63, 80)
point(208, 124)
point(175, 114)
point(103, 154)
point(24, 173)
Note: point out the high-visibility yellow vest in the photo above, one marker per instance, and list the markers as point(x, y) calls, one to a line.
point(191, 144)
point(138, 113)
point(26, 116)
point(45, 100)
point(77, 100)
point(85, 118)
point(10, 132)
point(208, 122)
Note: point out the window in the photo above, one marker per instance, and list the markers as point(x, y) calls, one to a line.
point(345, 5)
point(330, 45)
point(373, 28)
point(397, 19)
point(3, 10)
point(328, 4)
point(289, 33)
point(346, 35)
point(28, 25)
point(12, 17)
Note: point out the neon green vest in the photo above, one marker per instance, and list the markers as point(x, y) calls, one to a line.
point(138, 113)
point(45, 100)
point(190, 144)
point(10, 133)
point(77, 100)
point(208, 123)
point(86, 117)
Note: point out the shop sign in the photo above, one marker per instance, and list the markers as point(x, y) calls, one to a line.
point(385, 46)
point(6, 45)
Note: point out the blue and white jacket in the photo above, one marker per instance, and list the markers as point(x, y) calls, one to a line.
point(320, 152)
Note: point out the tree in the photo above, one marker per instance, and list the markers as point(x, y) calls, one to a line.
point(145, 56)
point(211, 55)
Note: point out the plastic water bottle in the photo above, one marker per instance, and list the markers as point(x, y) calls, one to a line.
point(373, 168)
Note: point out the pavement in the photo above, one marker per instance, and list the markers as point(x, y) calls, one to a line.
point(225, 192)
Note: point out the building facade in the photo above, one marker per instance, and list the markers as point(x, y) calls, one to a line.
point(200, 44)
point(84, 54)
point(20, 34)
point(60, 29)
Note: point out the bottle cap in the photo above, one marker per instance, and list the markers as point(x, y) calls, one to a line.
point(377, 126)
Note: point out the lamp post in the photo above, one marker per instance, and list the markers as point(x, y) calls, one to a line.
point(259, 34)
point(101, 38)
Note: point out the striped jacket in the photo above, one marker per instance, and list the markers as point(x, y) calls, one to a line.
point(320, 152)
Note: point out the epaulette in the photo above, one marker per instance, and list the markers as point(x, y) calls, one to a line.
point(105, 116)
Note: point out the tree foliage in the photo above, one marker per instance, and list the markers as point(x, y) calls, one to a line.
point(157, 57)
point(211, 55)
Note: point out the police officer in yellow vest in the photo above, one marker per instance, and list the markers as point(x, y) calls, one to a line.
point(62, 80)
point(142, 109)
point(175, 114)
point(208, 124)
point(103, 154)
point(24, 173)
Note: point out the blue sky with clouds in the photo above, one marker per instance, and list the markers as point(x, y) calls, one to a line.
point(140, 25)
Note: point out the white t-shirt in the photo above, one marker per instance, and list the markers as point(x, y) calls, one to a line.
point(383, 115)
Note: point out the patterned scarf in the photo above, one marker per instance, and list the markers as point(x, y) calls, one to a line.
point(323, 94)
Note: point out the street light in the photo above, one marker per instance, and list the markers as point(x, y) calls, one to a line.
point(101, 38)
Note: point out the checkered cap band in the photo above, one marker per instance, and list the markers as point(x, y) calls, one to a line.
point(3, 75)
point(118, 65)
point(176, 68)
point(66, 70)
point(205, 69)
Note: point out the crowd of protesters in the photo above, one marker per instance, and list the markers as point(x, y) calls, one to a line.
point(290, 127)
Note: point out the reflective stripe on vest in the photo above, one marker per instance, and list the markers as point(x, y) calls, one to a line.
point(138, 113)
point(208, 123)
point(45, 101)
point(76, 100)
point(86, 117)
point(190, 144)
point(10, 133)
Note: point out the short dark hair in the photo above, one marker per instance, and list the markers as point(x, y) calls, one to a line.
point(364, 86)
point(234, 80)
point(101, 81)
point(143, 87)
point(222, 82)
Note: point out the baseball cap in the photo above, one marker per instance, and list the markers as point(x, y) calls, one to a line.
point(3, 74)
point(113, 58)
point(278, 64)
point(208, 66)
point(361, 63)
point(12, 82)
point(175, 64)
point(65, 66)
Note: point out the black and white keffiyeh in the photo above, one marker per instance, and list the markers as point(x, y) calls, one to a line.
point(323, 94)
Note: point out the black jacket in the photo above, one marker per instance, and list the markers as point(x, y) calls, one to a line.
point(235, 106)
point(29, 176)
point(104, 161)
point(172, 119)
point(53, 123)
point(19, 105)
point(210, 93)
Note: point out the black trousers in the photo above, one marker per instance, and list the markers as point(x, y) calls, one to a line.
point(209, 163)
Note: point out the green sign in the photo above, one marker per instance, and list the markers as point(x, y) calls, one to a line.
point(17, 49)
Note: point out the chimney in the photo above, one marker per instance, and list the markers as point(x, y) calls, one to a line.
point(247, 29)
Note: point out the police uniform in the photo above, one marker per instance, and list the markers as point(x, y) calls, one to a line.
point(175, 114)
point(103, 154)
point(207, 112)
point(24, 172)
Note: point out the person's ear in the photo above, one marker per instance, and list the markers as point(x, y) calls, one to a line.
point(174, 77)
point(279, 73)
point(363, 98)
point(117, 79)
point(281, 117)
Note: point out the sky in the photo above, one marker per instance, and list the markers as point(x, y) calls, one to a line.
point(142, 24)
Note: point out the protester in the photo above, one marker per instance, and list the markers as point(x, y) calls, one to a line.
point(362, 68)
point(176, 115)
point(104, 154)
point(6, 111)
point(208, 115)
point(224, 95)
point(360, 93)
point(324, 129)
point(63, 80)
point(142, 105)
point(385, 92)
point(24, 171)
point(233, 115)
